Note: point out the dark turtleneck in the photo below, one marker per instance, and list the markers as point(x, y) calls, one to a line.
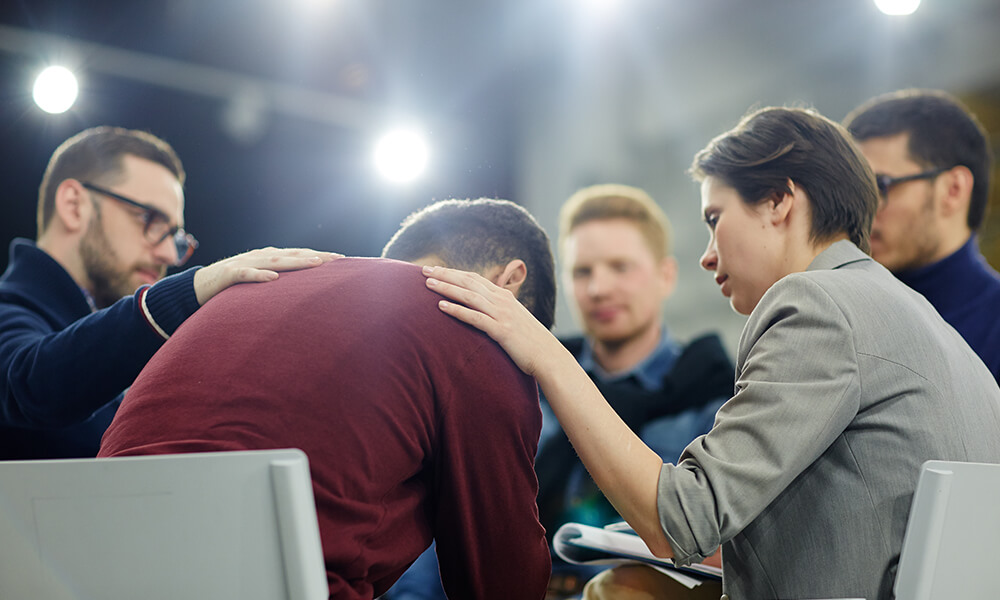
point(966, 291)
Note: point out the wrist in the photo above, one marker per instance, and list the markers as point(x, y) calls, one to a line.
point(171, 300)
point(202, 283)
point(555, 364)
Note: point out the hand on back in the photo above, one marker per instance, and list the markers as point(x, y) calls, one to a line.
point(495, 311)
point(258, 265)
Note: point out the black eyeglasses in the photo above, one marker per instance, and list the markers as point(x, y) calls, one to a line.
point(885, 183)
point(156, 225)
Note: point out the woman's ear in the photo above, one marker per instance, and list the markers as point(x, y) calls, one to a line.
point(781, 204)
point(512, 276)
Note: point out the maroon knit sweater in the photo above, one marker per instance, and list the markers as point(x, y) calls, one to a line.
point(416, 426)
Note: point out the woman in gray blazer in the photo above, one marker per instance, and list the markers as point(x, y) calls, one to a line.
point(846, 382)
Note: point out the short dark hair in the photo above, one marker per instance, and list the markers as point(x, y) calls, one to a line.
point(95, 155)
point(773, 145)
point(943, 132)
point(476, 235)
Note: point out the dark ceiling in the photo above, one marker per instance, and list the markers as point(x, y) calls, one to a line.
point(296, 182)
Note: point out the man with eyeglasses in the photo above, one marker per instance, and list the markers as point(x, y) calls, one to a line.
point(85, 306)
point(932, 162)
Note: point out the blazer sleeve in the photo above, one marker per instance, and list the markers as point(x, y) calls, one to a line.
point(797, 390)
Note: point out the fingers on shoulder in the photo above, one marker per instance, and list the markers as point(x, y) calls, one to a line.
point(463, 313)
point(253, 274)
point(470, 316)
point(455, 292)
point(466, 279)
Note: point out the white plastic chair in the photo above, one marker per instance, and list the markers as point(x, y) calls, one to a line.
point(950, 546)
point(227, 525)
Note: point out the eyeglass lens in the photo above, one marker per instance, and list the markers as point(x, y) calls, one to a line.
point(885, 182)
point(156, 225)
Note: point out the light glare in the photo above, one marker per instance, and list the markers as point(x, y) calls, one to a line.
point(897, 7)
point(401, 156)
point(603, 6)
point(55, 90)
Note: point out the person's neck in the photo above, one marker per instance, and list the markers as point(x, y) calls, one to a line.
point(950, 244)
point(617, 357)
point(67, 255)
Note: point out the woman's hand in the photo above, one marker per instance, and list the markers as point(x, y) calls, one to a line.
point(495, 311)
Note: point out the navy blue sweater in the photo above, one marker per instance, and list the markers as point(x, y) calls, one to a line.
point(64, 366)
point(966, 291)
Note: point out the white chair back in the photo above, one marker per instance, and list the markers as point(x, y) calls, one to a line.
point(226, 525)
point(949, 549)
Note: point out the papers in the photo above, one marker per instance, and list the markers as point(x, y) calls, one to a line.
point(617, 544)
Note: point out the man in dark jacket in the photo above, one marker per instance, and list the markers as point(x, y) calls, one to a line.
point(85, 306)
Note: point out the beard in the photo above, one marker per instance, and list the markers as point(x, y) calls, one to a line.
point(918, 245)
point(109, 279)
point(622, 336)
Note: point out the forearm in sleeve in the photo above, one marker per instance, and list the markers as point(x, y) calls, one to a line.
point(59, 378)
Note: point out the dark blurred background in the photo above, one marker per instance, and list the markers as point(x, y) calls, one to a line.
point(275, 106)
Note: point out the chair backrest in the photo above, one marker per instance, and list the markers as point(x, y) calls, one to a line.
point(213, 525)
point(949, 549)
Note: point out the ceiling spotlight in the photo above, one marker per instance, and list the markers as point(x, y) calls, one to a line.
point(55, 90)
point(244, 116)
point(401, 156)
point(897, 7)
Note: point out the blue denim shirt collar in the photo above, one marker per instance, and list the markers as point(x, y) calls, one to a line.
point(648, 374)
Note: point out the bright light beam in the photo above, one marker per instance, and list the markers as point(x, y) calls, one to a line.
point(401, 156)
point(55, 90)
point(897, 7)
point(603, 7)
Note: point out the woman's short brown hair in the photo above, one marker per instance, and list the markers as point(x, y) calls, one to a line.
point(772, 145)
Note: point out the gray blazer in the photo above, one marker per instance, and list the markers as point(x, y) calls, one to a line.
point(846, 382)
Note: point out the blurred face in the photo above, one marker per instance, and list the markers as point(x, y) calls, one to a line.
point(744, 249)
point(619, 286)
point(116, 255)
point(905, 234)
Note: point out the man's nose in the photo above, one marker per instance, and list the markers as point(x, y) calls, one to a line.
point(599, 283)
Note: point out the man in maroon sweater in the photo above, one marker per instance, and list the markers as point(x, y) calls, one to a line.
point(417, 427)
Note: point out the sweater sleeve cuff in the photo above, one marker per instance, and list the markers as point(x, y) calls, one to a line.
point(168, 302)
